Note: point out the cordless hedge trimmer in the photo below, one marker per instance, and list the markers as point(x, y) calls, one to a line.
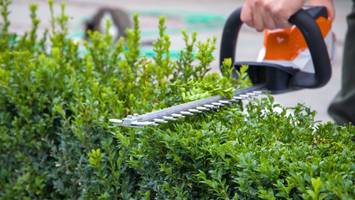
point(292, 59)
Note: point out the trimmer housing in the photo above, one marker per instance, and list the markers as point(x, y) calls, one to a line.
point(292, 58)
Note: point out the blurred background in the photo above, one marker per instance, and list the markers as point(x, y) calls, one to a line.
point(203, 16)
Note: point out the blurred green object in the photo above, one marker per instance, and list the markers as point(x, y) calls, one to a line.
point(192, 21)
point(147, 50)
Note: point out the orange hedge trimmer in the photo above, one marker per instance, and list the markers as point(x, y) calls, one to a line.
point(292, 59)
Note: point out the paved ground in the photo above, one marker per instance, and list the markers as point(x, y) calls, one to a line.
point(248, 46)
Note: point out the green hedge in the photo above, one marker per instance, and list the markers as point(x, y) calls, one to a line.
point(56, 141)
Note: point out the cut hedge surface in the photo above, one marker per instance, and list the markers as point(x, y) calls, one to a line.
point(56, 141)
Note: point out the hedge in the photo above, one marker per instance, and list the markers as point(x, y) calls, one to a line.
point(56, 96)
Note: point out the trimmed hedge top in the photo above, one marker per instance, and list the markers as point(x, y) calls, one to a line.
point(56, 142)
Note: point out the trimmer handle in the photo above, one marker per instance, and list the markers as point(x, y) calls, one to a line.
point(289, 79)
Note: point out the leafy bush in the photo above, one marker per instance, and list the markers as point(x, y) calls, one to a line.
point(56, 142)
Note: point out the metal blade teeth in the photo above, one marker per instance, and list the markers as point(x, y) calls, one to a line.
point(177, 115)
point(256, 93)
point(217, 104)
point(169, 118)
point(160, 121)
point(116, 121)
point(224, 102)
point(139, 124)
point(237, 98)
point(186, 113)
point(209, 106)
point(253, 94)
point(234, 100)
point(202, 108)
point(194, 111)
point(244, 96)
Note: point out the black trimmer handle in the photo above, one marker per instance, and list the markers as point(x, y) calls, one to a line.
point(305, 21)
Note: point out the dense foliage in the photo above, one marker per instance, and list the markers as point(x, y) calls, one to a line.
point(56, 141)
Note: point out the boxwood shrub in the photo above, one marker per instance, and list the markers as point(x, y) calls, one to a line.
point(56, 96)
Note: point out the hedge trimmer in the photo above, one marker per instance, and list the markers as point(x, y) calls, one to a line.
point(292, 59)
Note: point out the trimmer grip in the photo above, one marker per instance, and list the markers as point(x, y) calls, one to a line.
point(319, 53)
point(230, 36)
point(305, 21)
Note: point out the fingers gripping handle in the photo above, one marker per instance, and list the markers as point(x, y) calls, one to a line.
point(312, 35)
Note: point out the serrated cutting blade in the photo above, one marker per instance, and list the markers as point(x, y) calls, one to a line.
point(188, 109)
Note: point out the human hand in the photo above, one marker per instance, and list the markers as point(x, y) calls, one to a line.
point(272, 14)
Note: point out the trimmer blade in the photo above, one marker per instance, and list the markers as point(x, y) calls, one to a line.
point(187, 109)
